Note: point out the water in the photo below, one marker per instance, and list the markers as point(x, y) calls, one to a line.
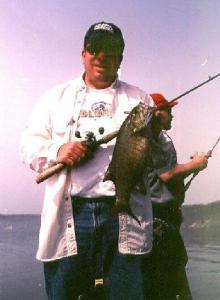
point(204, 271)
point(21, 275)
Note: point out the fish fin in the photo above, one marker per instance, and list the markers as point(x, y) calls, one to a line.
point(121, 208)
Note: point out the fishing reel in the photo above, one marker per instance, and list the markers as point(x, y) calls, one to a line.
point(90, 138)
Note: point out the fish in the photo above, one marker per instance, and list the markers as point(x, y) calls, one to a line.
point(130, 156)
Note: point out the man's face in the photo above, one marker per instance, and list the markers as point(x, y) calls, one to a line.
point(166, 118)
point(100, 68)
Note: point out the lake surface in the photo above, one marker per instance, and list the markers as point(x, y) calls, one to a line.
point(21, 275)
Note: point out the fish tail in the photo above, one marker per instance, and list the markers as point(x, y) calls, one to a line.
point(120, 208)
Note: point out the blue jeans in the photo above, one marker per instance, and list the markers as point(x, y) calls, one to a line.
point(97, 241)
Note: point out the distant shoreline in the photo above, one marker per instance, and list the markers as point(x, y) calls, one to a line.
point(184, 206)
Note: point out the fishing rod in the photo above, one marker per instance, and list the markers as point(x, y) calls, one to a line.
point(196, 87)
point(208, 155)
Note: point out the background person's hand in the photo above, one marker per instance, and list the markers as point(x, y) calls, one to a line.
point(200, 161)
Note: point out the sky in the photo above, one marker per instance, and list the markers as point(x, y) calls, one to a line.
point(171, 46)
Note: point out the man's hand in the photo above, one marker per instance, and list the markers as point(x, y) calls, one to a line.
point(200, 161)
point(72, 153)
point(197, 163)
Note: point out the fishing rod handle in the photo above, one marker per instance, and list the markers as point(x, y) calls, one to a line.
point(49, 172)
point(208, 155)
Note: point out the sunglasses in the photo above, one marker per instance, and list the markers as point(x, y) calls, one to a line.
point(110, 47)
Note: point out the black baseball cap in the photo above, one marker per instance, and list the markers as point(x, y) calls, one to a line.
point(106, 37)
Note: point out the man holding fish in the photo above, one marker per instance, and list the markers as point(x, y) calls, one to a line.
point(78, 230)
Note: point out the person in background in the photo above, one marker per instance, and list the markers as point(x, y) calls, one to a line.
point(166, 182)
point(78, 229)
